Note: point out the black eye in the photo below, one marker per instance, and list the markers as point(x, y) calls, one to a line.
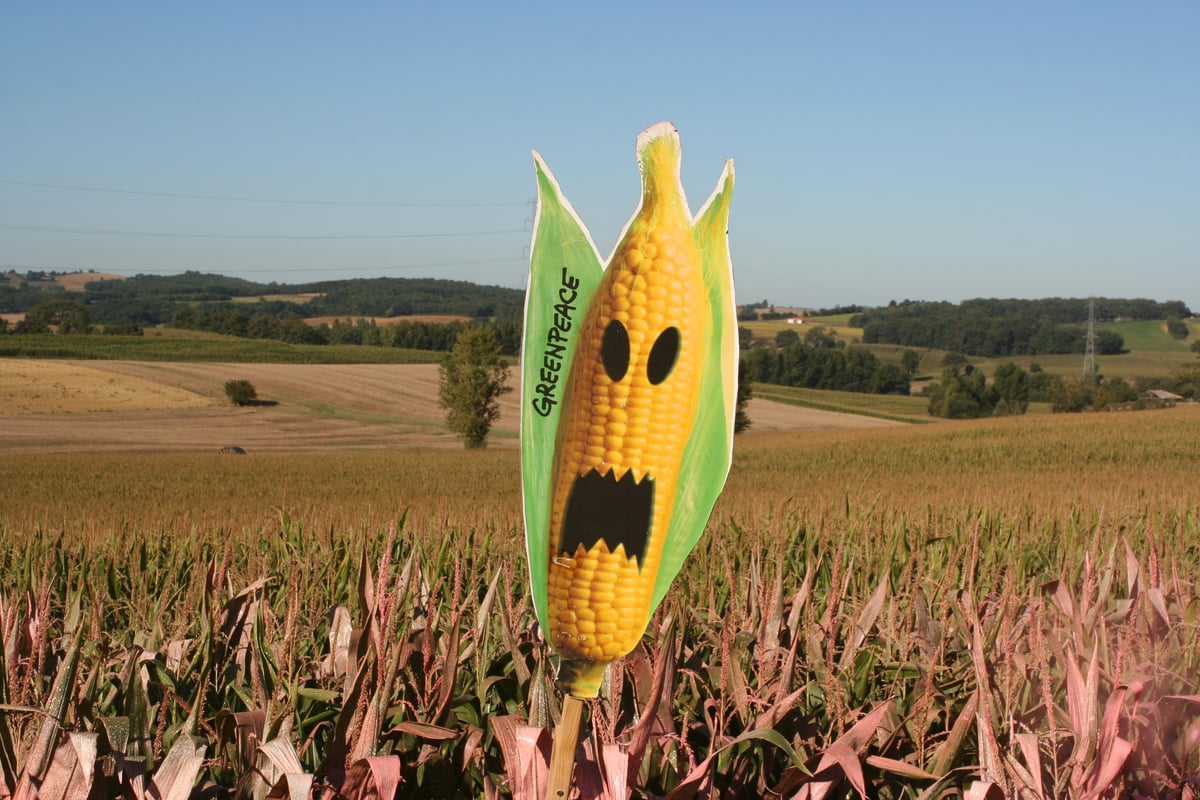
point(614, 350)
point(662, 356)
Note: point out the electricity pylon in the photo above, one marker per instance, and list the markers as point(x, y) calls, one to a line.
point(1089, 353)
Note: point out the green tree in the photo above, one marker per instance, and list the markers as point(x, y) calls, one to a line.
point(1071, 395)
point(1043, 386)
point(240, 392)
point(1013, 386)
point(786, 337)
point(1177, 328)
point(741, 420)
point(1109, 343)
point(910, 360)
point(1196, 347)
point(473, 376)
point(1121, 390)
point(860, 366)
point(371, 335)
point(1187, 378)
point(889, 379)
point(962, 395)
point(954, 359)
point(69, 316)
point(820, 337)
point(763, 364)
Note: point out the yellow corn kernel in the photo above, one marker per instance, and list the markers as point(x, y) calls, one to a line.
point(630, 423)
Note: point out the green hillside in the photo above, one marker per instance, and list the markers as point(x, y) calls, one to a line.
point(899, 408)
point(1150, 336)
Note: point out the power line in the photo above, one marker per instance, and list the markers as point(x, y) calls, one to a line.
point(175, 235)
point(250, 270)
point(392, 268)
point(239, 199)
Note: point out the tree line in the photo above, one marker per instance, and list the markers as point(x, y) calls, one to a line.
point(993, 328)
point(964, 392)
point(820, 363)
point(847, 369)
point(392, 297)
point(149, 300)
point(245, 321)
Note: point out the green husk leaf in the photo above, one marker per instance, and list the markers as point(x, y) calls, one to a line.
point(563, 265)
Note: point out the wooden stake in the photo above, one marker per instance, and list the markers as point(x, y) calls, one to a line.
point(562, 753)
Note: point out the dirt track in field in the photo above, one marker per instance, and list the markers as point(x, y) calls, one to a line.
point(126, 406)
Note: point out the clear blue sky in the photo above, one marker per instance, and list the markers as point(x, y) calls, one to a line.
point(884, 150)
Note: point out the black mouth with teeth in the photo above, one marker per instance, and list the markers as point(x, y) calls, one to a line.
point(617, 511)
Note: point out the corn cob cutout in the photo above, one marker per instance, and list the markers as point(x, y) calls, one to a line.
point(628, 393)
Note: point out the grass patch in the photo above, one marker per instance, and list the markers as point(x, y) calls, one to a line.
point(1146, 335)
point(832, 320)
point(898, 408)
point(1139, 364)
point(342, 412)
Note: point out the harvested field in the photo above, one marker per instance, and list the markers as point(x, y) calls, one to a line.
point(438, 319)
point(300, 298)
point(75, 281)
point(69, 387)
point(127, 406)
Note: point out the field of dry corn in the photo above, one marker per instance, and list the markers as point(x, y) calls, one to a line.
point(1001, 608)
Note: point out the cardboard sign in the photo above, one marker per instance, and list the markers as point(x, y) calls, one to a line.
point(628, 392)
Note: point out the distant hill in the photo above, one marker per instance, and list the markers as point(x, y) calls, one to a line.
point(1009, 327)
point(67, 281)
point(390, 297)
point(980, 327)
point(149, 300)
point(187, 286)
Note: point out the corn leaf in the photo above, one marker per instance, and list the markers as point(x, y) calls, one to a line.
point(176, 776)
